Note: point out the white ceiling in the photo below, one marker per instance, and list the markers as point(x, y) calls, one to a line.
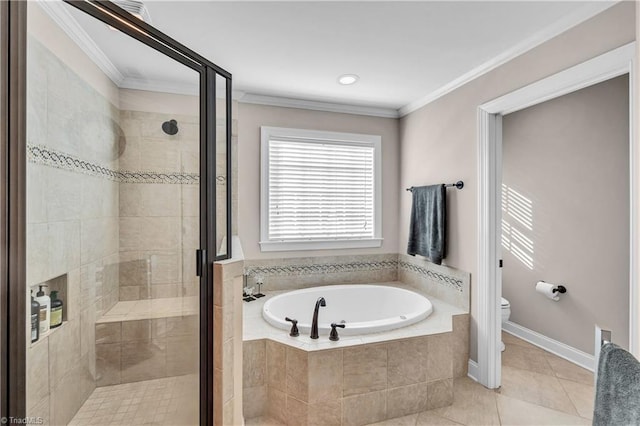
point(404, 52)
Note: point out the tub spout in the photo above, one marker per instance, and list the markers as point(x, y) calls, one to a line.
point(314, 323)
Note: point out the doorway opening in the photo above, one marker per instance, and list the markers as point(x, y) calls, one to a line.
point(490, 133)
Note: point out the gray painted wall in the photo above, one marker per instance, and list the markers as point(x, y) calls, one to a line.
point(566, 213)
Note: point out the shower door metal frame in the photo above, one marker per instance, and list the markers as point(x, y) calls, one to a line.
point(13, 188)
point(13, 299)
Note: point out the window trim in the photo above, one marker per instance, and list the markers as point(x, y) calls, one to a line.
point(266, 135)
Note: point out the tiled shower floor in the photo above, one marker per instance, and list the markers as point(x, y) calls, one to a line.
point(171, 401)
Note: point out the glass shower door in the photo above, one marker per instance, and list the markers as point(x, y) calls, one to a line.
point(115, 214)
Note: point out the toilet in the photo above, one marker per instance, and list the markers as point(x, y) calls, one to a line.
point(506, 313)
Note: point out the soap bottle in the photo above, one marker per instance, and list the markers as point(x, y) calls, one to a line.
point(35, 320)
point(56, 310)
point(45, 310)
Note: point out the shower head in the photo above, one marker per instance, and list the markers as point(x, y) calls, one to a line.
point(170, 127)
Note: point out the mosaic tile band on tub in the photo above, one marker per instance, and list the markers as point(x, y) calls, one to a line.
point(323, 268)
point(330, 268)
point(453, 282)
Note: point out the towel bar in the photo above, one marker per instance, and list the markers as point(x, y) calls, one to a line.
point(459, 184)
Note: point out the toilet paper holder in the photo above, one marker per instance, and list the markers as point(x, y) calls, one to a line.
point(560, 289)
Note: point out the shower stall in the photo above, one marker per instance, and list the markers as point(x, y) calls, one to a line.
point(127, 205)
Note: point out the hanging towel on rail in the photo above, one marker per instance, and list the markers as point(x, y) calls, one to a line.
point(428, 223)
point(617, 388)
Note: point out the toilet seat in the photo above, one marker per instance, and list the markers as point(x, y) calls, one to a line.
point(505, 303)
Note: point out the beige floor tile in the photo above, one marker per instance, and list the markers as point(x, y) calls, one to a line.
point(568, 370)
point(167, 401)
point(261, 421)
point(517, 412)
point(398, 421)
point(429, 418)
point(535, 388)
point(472, 404)
point(532, 359)
point(582, 396)
point(510, 339)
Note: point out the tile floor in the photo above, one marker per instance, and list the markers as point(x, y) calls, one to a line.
point(538, 388)
point(170, 401)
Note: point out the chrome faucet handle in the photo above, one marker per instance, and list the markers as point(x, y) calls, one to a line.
point(334, 333)
point(294, 327)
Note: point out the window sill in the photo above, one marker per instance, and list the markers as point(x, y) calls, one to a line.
point(319, 245)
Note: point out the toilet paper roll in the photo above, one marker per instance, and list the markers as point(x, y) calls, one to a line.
point(547, 290)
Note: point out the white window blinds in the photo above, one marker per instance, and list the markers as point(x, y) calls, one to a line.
point(320, 190)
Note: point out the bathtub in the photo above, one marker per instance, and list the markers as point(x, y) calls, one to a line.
point(363, 308)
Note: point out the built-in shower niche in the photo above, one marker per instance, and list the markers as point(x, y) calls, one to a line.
point(58, 284)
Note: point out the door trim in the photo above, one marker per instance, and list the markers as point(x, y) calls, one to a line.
point(604, 67)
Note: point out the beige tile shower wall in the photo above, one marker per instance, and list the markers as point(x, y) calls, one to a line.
point(172, 105)
point(222, 181)
point(227, 346)
point(159, 220)
point(72, 222)
point(303, 272)
point(131, 351)
point(43, 29)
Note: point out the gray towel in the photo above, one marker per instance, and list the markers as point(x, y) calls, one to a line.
point(428, 223)
point(617, 388)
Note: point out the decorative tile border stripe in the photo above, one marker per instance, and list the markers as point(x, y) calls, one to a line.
point(320, 268)
point(154, 177)
point(450, 281)
point(39, 154)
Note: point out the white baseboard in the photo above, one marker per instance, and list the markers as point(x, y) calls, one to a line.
point(472, 370)
point(567, 352)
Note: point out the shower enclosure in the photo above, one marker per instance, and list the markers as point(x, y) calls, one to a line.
point(128, 204)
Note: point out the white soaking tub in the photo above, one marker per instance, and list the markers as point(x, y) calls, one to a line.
point(363, 308)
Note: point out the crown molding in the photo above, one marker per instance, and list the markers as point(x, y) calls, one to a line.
point(61, 16)
point(252, 98)
point(177, 88)
point(553, 30)
point(70, 26)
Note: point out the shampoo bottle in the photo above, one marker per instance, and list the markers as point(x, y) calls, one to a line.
point(56, 310)
point(35, 320)
point(45, 310)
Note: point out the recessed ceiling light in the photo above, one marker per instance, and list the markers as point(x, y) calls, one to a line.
point(348, 79)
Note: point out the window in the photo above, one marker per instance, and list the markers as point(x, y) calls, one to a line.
point(319, 190)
